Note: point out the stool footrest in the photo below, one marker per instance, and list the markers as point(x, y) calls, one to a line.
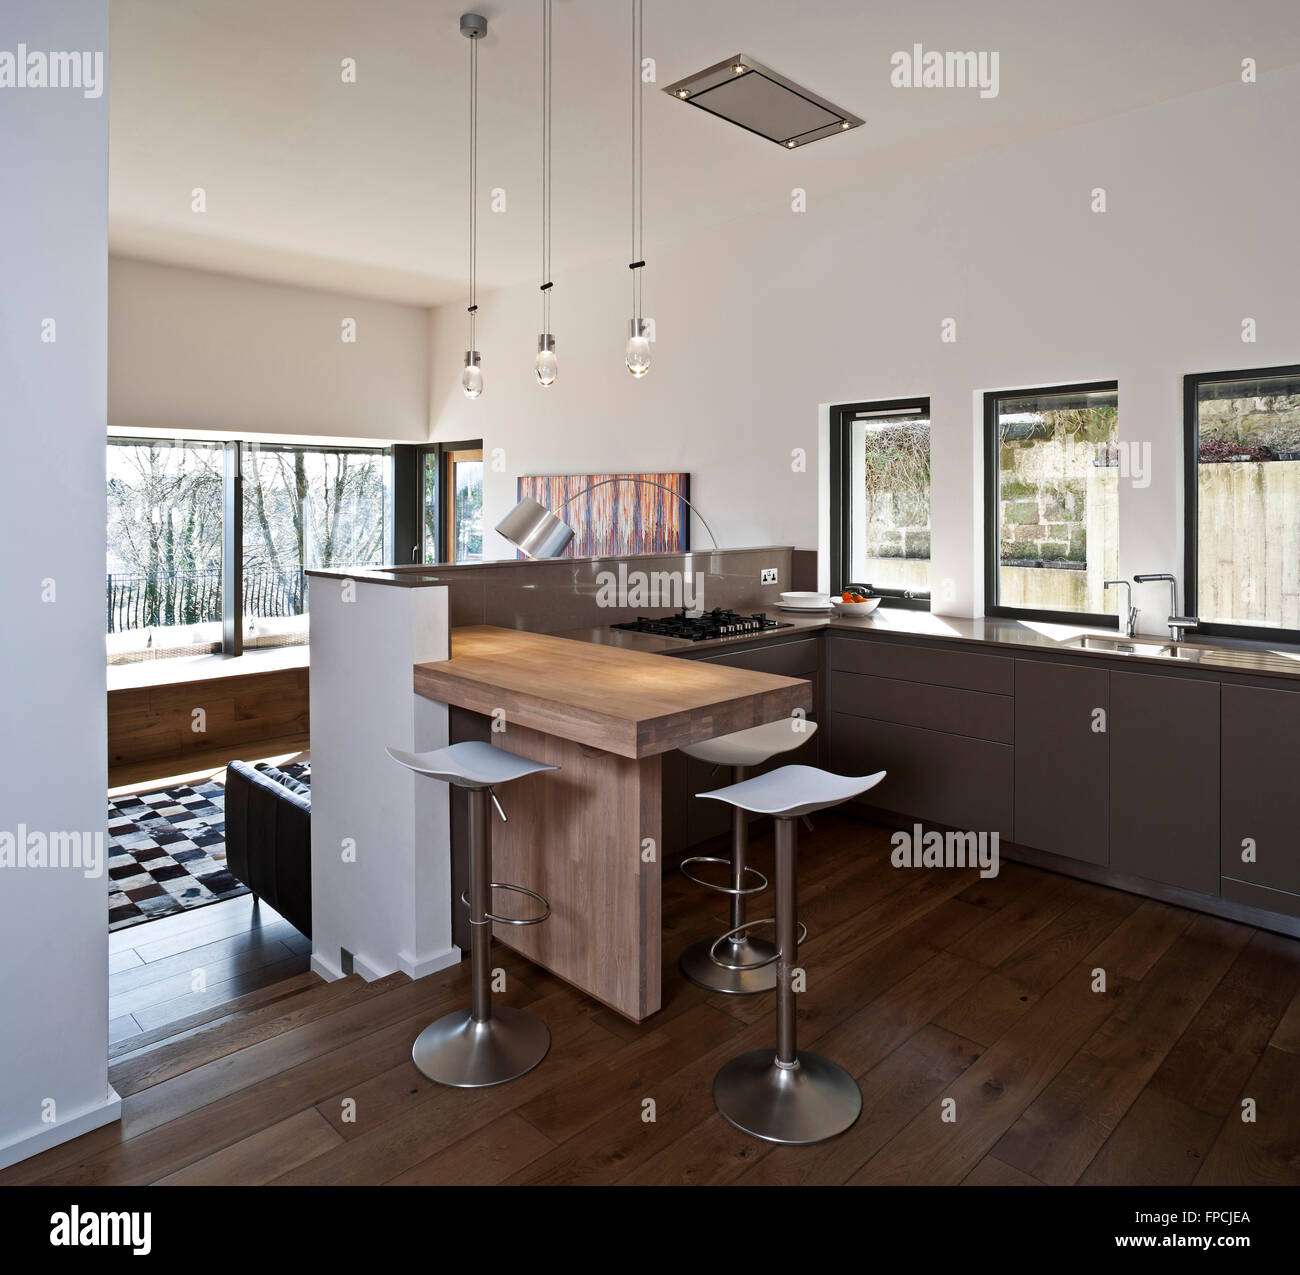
point(740, 929)
point(720, 889)
point(510, 920)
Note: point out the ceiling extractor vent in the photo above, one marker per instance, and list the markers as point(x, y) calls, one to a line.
point(761, 101)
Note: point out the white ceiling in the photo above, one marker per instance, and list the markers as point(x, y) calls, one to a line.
point(362, 188)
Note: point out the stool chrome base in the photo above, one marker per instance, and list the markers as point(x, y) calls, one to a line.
point(704, 972)
point(796, 1106)
point(465, 1054)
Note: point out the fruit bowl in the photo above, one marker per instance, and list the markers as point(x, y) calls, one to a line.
point(855, 609)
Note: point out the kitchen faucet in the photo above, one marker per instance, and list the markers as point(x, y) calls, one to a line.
point(1130, 627)
point(1178, 624)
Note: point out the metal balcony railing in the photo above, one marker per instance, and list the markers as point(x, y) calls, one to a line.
point(141, 601)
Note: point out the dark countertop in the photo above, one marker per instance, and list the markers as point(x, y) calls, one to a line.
point(1220, 656)
point(605, 635)
point(424, 575)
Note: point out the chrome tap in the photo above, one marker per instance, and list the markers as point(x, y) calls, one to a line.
point(1130, 627)
point(1178, 624)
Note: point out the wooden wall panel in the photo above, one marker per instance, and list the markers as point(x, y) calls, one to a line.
point(575, 836)
point(149, 723)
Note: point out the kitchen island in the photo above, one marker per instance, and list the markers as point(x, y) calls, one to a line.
point(589, 837)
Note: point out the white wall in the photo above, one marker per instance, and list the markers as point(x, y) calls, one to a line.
point(388, 902)
point(53, 746)
point(763, 320)
point(208, 352)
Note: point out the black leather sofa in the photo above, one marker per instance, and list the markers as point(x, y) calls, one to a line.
point(268, 838)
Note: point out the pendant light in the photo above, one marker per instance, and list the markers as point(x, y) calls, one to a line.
point(473, 27)
point(637, 356)
point(545, 367)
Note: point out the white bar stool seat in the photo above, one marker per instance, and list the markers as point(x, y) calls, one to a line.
point(792, 1097)
point(793, 791)
point(470, 1049)
point(750, 963)
point(754, 746)
point(473, 764)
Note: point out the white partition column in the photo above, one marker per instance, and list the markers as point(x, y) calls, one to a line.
point(380, 837)
point(53, 745)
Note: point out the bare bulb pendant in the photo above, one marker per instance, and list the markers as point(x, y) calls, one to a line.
point(546, 367)
point(471, 379)
point(637, 356)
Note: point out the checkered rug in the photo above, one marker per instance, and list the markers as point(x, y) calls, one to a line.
point(167, 851)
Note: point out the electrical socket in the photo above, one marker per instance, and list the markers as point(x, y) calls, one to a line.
point(767, 576)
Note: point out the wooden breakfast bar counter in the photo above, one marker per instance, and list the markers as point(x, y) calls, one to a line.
point(588, 836)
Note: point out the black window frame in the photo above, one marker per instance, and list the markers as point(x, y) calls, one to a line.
point(842, 416)
point(992, 507)
point(406, 513)
point(1192, 381)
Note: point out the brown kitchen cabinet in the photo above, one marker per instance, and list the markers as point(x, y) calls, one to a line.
point(1261, 799)
point(1062, 761)
point(1164, 779)
point(938, 721)
point(931, 776)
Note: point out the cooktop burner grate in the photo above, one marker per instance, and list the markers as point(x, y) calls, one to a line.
point(701, 626)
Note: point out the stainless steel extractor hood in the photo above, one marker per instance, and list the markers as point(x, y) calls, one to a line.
point(758, 99)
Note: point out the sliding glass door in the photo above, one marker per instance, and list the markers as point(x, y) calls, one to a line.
point(304, 507)
point(176, 519)
point(451, 505)
point(163, 581)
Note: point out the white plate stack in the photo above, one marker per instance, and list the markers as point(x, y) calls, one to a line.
point(807, 603)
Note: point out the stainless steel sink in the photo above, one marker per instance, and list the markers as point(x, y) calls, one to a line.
point(1131, 646)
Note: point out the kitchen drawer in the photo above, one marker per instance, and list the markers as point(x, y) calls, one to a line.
point(799, 658)
point(943, 708)
point(1260, 736)
point(947, 779)
point(965, 670)
point(1258, 896)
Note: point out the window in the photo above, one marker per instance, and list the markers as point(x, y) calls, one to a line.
point(1051, 502)
point(430, 462)
point(880, 499)
point(1242, 500)
point(171, 550)
point(304, 507)
point(451, 504)
point(163, 588)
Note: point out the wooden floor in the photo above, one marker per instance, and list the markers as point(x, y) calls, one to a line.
point(927, 985)
point(162, 971)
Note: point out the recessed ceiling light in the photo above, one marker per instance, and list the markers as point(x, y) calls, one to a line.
point(763, 102)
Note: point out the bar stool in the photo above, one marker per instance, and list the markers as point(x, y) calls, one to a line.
point(792, 1097)
point(750, 963)
point(481, 1046)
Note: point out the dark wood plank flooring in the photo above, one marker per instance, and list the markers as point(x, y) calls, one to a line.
point(163, 971)
point(928, 986)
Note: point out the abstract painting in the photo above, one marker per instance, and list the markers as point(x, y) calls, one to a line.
point(618, 518)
